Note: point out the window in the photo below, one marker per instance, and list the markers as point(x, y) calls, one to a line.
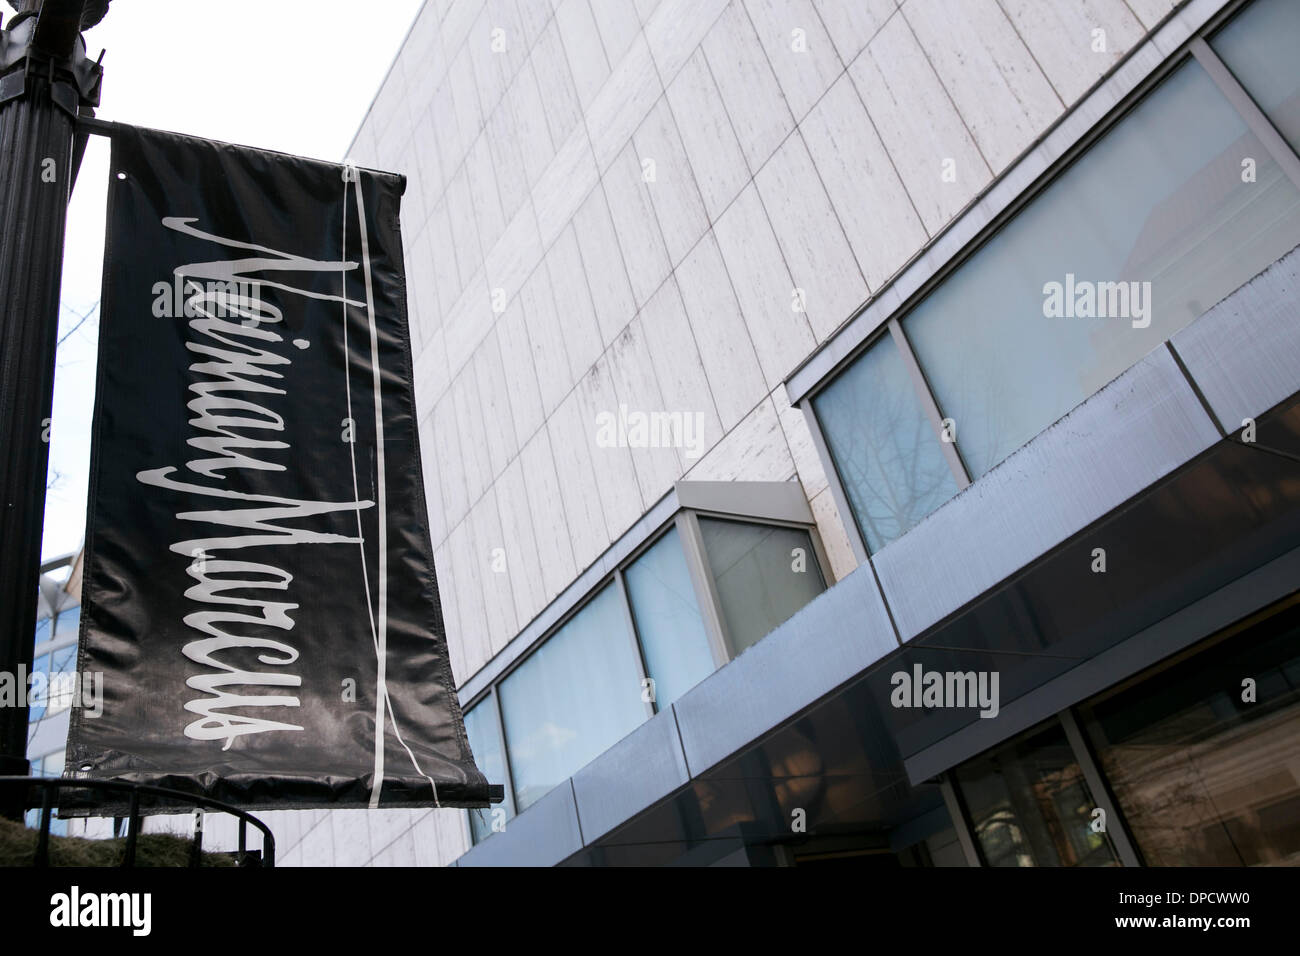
point(572, 698)
point(762, 574)
point(706, 588)
point(1259, 47)
point(667, 618)
point(39, 694)
point(484, 731)
point(68, 623)
point(1028, 805)
point(1171, 209)
point(1203, 764)
point(62, 687)
point(885, 451)
point(1159, 200)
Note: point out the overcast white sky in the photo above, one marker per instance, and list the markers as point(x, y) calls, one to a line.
point(291, 75)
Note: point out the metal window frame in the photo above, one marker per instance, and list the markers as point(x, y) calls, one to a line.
point(929, 404)
point(1111, 97)
point(929, 407)
point(723, 644)
point(491, 690)
point(706, 595)
point(1244, 105)
point(1080, 723)
point(1099, 790)
point(809, 527)
point(493, 700)
point(957, 812)
point(638, 645)
point(901, 295)
point(772, 511)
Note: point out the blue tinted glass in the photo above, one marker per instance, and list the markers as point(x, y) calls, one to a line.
point(485, 740)
point(1152, 226)
point(63, 665)
point(571, 699)
point(1262, 48)
point(885, 450)
point(39, 689)
point(668, 619)
point(63, 659)
point(68, 623)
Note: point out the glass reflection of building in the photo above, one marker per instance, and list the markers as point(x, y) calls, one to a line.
point(54, 657)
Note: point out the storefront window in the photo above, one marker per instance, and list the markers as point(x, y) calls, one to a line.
point(1028, 805)
point(1204, 758)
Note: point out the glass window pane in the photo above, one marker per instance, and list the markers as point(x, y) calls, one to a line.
point(1159, 199)
point(484, 732)
point(63, 666)
point(63, 659)
point(52, 765)
point(668, 619)
point(1029, 805)
point(39, 693)
point(576, 695)
point(1260, 47)
point(763, 574)
point(885, 450)
point(1203, 776)
point(68, 623)
point(42, 630)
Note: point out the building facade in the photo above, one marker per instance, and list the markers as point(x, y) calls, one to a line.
point(54, 658)
point(855, 432)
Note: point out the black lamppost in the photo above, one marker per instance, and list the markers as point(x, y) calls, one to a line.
point(46, 82)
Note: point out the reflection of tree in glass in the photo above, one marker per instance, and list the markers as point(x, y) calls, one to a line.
point(888, 457)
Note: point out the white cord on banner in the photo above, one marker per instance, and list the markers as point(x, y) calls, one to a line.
point(383, 699)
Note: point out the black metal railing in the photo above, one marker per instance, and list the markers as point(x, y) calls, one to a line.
point(48, 786)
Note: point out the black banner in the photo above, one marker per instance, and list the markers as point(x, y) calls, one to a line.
point(259, 592)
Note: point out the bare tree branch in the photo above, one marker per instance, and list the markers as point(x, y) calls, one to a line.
point(81, 320)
